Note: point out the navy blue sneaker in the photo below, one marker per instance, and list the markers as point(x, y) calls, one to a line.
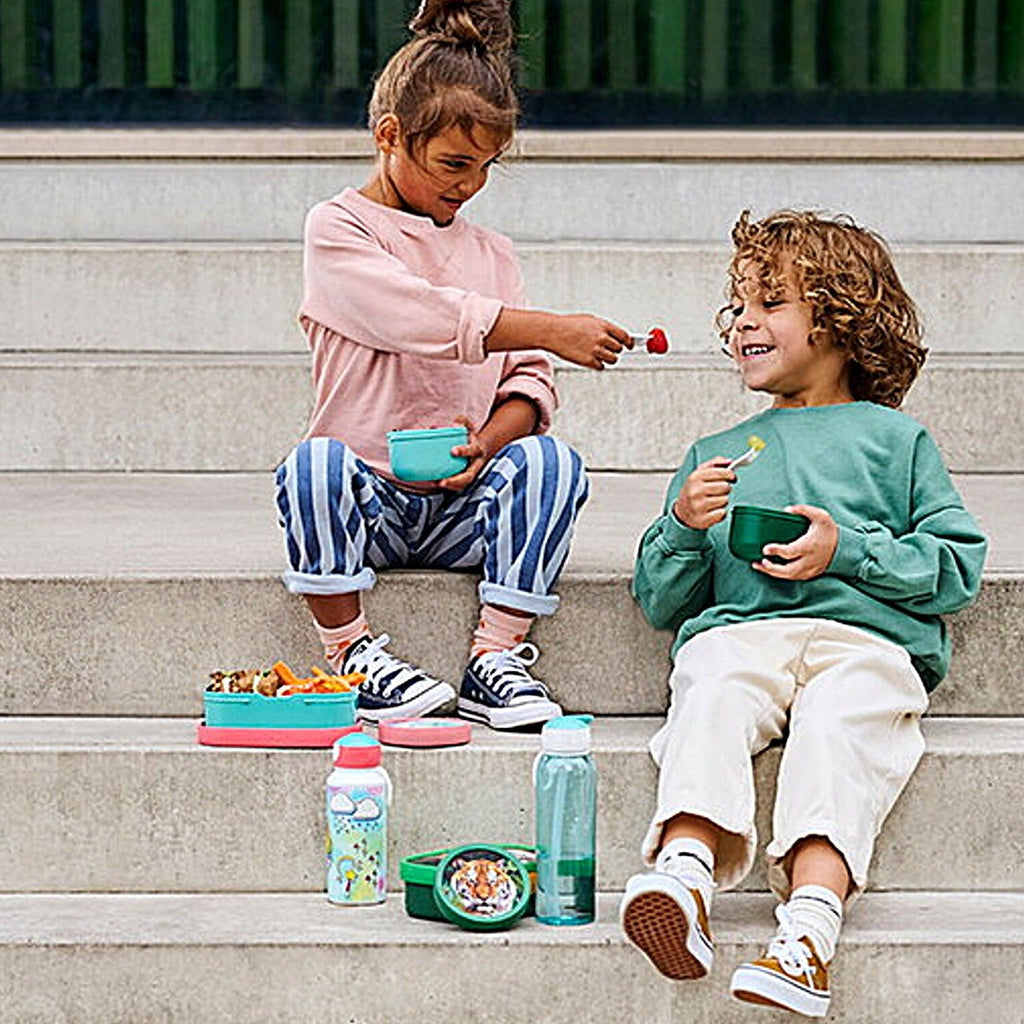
point(498, 691)
point(393, 688)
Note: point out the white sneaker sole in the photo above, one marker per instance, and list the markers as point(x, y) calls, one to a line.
point(511, 717)
point(659, 915)
point(422, 704)
point(752, 984)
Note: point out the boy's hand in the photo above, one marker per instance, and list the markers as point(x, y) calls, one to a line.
point(808, 556)
point(704, 499)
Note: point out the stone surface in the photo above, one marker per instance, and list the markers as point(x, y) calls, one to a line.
point(147, 809)
point(292, 959)
point(234, 297)
point(233, 412)
point(211, 200)
point(145, 583)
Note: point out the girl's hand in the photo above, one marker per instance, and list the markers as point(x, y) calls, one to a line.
point(808, 556)
point(588, 340)
point(704, 499)
point(476, 450)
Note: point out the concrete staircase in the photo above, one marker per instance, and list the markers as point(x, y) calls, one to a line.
point(151, 377)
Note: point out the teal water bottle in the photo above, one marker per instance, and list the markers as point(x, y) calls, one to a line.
point(565, 800)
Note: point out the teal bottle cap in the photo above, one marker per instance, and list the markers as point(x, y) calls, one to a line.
point(569, 734)
point(482, 888)
point(570, 722)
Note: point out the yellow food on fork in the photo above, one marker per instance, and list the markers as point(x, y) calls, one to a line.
point(755, 449)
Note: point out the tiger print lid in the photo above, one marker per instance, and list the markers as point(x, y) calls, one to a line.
point(482, 888)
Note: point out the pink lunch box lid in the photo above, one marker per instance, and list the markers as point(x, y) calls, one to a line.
point(424, 732)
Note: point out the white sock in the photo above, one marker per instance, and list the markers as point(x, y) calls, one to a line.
point(817, 912)
point(693, 862)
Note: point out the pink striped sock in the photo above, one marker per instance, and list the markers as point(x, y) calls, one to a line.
point(498, 630)
point(337, 639)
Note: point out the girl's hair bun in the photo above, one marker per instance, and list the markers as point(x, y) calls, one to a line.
point(484, 23)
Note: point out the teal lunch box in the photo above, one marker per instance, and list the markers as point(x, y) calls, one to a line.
point(297, 711)
point(420, 455)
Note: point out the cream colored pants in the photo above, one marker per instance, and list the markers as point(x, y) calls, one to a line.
point(852, 701)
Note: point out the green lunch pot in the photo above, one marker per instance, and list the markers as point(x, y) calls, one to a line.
point(751, 527)
point(419, 872)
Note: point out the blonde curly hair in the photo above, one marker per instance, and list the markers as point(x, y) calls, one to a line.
point(844, 272)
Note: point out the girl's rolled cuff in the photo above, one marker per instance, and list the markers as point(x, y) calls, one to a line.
point(534, 390)
point(519, 600)
point(477, 316)
point(334, 583)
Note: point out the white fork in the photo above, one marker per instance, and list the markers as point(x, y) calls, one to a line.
point(755, 449)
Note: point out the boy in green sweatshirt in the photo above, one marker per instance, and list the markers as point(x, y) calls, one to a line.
point(832, 640)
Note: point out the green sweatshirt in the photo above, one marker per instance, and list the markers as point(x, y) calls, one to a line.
point(908, 550)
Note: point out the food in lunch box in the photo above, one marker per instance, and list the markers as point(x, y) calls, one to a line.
point(281, 681)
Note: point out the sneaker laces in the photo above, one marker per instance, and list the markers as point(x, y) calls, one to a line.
point(507, 669)
point(383, 670)
point(789, 949)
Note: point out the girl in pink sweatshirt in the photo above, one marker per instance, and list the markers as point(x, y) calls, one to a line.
point(416, 318)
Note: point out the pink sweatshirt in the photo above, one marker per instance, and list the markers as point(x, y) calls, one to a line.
point(396, 310)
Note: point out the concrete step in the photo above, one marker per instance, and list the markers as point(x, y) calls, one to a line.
point(231, 412)
point(179, 817)
point(291, 959)
point(612, 192)
point(120, 593)
point(173, 296)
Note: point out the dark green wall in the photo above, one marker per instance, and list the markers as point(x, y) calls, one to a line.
point(584, 62)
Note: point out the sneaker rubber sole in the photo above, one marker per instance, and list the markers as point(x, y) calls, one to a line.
point(753, 984)
point(663, 924)
point(512, 717)
point(429, 700)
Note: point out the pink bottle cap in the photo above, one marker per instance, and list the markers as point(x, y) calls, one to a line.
point(356, 751)
point(424, 732)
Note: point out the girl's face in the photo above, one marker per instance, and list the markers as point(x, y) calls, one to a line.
point(771, 344)
point(443, 173)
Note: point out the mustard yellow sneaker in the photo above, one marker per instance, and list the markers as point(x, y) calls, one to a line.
point(669, 923)
point(790, 976)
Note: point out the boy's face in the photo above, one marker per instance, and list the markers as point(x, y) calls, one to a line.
point(443, 172)
point(770, 342)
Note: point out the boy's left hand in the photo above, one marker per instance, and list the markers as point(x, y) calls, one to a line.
point(807, 556)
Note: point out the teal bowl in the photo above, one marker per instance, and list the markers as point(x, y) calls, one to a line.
point(751, 527)
point(418, 455)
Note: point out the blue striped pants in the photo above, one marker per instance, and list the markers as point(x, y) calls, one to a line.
point(514, 522)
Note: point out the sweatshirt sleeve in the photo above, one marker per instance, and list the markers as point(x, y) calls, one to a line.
point(672, 580)
point(528, 374)
point(933, 568)
point(354, 287)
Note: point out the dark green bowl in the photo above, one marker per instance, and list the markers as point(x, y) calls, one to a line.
point(752, 526)
point(419, 871)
